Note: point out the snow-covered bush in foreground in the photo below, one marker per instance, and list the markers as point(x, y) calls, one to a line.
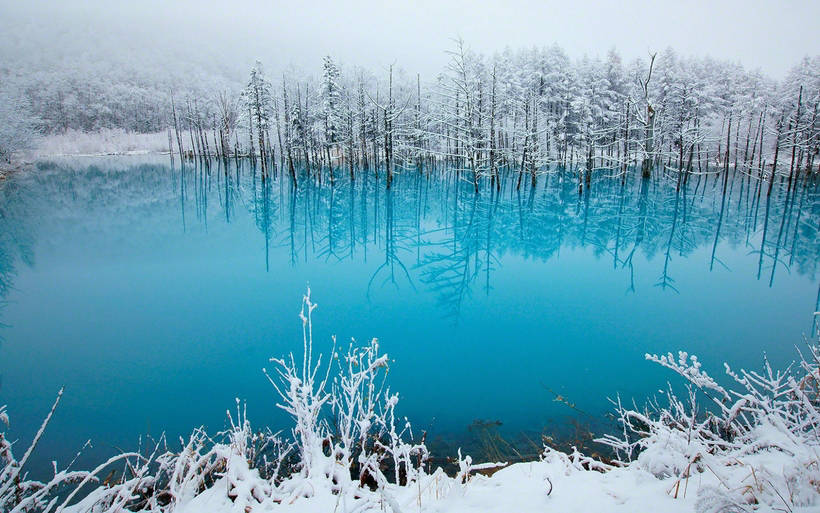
point(753, 447)
point(19, 494)
point(364, 440)
point(756, 444)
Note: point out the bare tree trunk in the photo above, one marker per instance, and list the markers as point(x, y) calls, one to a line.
point(760, 158)
point(252, 151)
point(493, 167)
point(362, 125)
point(176, 130)
point(776, 150)
point(388, 133)
point(626, 145)
point(170, 147)
point(794, 135)
point(751, 160)
point(812, 151)
point(649, 129)
point(288, 143)
point(526, 143)
point(726, 161)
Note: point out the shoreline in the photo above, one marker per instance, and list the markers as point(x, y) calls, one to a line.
point(130, 153)
point(9, 169)
point(320, 467)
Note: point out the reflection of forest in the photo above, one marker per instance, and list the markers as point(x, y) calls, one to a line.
point(439, 233)
point(16, 236)
point(428, 232)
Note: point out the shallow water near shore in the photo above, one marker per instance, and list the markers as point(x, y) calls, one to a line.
point(156, 295)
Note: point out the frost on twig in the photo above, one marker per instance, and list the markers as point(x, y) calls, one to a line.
point(346, 432)
point(766, 424)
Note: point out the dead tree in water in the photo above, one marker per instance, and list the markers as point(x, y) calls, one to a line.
point(176, 130)
point(626, 144)
point(813, 140)
point(258, 97)
point(388, 130)
point(228, 119)
point(648, 123)
point(170, 147)
point(349, 136)
point(794, 136)
point(389, 116)
point(251, 149)
point(525, 145)
point(362, 115)
point(189, 117)
point(726, 161)
point(288, 133)
point(751, 160)
point(300, 119)
point(276, 119)
point(331, 110)
point(776, 151)
point(493, 166)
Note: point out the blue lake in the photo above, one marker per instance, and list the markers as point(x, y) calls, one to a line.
point(156, 295)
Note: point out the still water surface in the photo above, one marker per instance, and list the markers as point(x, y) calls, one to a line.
point(157, 295)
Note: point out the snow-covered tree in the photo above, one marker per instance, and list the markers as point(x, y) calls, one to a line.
point(258, 101)
point(18, 127)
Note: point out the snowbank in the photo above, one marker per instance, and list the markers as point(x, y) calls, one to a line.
point(107, 141)
point(553, 484)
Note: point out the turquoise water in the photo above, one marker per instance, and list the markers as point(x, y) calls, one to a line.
point(156, 296)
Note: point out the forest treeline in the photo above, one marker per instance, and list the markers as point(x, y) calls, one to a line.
point(518, 112)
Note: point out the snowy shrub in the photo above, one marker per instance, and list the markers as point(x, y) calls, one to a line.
point(21, 495)
point(757, 440)
point(345, 423)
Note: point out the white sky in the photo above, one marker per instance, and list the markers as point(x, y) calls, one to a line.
point(770, 35)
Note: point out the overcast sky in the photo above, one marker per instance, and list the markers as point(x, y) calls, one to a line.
point(770, 35)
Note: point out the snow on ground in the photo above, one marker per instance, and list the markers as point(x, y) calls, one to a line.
point(540, 486)
point(554, 484)
point(108, 141)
